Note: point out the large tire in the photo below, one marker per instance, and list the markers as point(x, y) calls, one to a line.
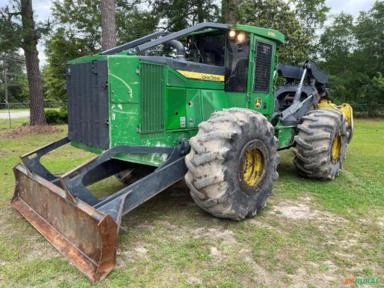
point(232, 163)
point(321, 144)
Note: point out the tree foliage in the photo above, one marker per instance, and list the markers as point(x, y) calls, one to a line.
point(179, 14)
point(353, 54)
point(12, 63)
point(311, 14)
point(351, 50)
point(77, 32)
point(296, 19)
point(12, 67)
point(61, 47)
point(19, 30)
point(278, 15)
point(229, 11)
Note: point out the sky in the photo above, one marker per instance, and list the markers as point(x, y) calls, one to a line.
point(351, 6)
point(42, 11)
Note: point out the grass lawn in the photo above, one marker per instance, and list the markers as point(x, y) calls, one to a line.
point(311, 234)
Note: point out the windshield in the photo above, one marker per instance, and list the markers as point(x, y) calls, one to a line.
point(207, 48)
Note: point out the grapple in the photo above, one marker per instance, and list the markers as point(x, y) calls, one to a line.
point(81, 227)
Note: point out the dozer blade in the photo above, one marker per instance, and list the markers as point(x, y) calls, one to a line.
point(85, 236)
point(82, 227)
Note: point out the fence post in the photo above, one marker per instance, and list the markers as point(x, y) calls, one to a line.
point(9, 113)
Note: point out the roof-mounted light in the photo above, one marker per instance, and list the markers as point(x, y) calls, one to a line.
point(241, 37)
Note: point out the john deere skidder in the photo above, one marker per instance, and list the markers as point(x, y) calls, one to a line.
point(199, 103)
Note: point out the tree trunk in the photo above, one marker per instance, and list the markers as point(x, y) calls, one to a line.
point(36, 100)
point(200, 12)
point(108, 24)
point(229, 10)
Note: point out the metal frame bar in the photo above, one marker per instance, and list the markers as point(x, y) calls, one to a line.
point(122, 202)
point(134, 43)
point(145, 42)
point(31, 160)
point(105, 165)
point(181, 33)
point(101, 167)
point(300, 86)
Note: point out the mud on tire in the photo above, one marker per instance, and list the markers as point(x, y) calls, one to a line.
point(216, 161)
point(321, 144)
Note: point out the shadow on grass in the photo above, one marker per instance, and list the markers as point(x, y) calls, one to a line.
point(176, 201)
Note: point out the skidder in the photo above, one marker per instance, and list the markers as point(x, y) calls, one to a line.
point(199, 103)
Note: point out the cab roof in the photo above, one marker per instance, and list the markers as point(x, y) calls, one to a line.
point(161, 37)
point(263, 32)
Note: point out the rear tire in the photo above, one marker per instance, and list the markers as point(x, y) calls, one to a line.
point(232, 163)
point(321, 144)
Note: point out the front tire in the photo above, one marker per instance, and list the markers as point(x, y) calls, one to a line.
point(232, 163)
point(321, 144)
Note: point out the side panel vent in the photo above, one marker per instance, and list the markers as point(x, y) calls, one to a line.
point(152, 98)
point(88, 103)
point(263, 67)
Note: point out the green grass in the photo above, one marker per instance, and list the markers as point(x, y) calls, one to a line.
point(4, 123)
point(359, 187)
point(170, 242)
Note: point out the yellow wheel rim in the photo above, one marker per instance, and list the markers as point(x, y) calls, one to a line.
point(336, 148)
point(253, 166)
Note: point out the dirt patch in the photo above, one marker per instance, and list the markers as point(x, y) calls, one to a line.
point(380, 222)
point(346, 243)
point(294, 211)
point(215, 253)
point(302, 209)
point(192, 280)
point(38, 248)
point(224, 235)
point(166, 225)
point(261, 276)
point(144, 226)
point(141, 251)
point(325, 274)
point(132, 254)
point(27, 130)
point(329, 278)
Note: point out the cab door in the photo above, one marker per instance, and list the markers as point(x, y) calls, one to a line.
point(260, 77)
point(236, 69)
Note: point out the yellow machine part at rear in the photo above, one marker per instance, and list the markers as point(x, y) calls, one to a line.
point(344, 108)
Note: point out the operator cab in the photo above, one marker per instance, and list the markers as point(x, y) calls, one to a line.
point(238, 60)
point(244, 60)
